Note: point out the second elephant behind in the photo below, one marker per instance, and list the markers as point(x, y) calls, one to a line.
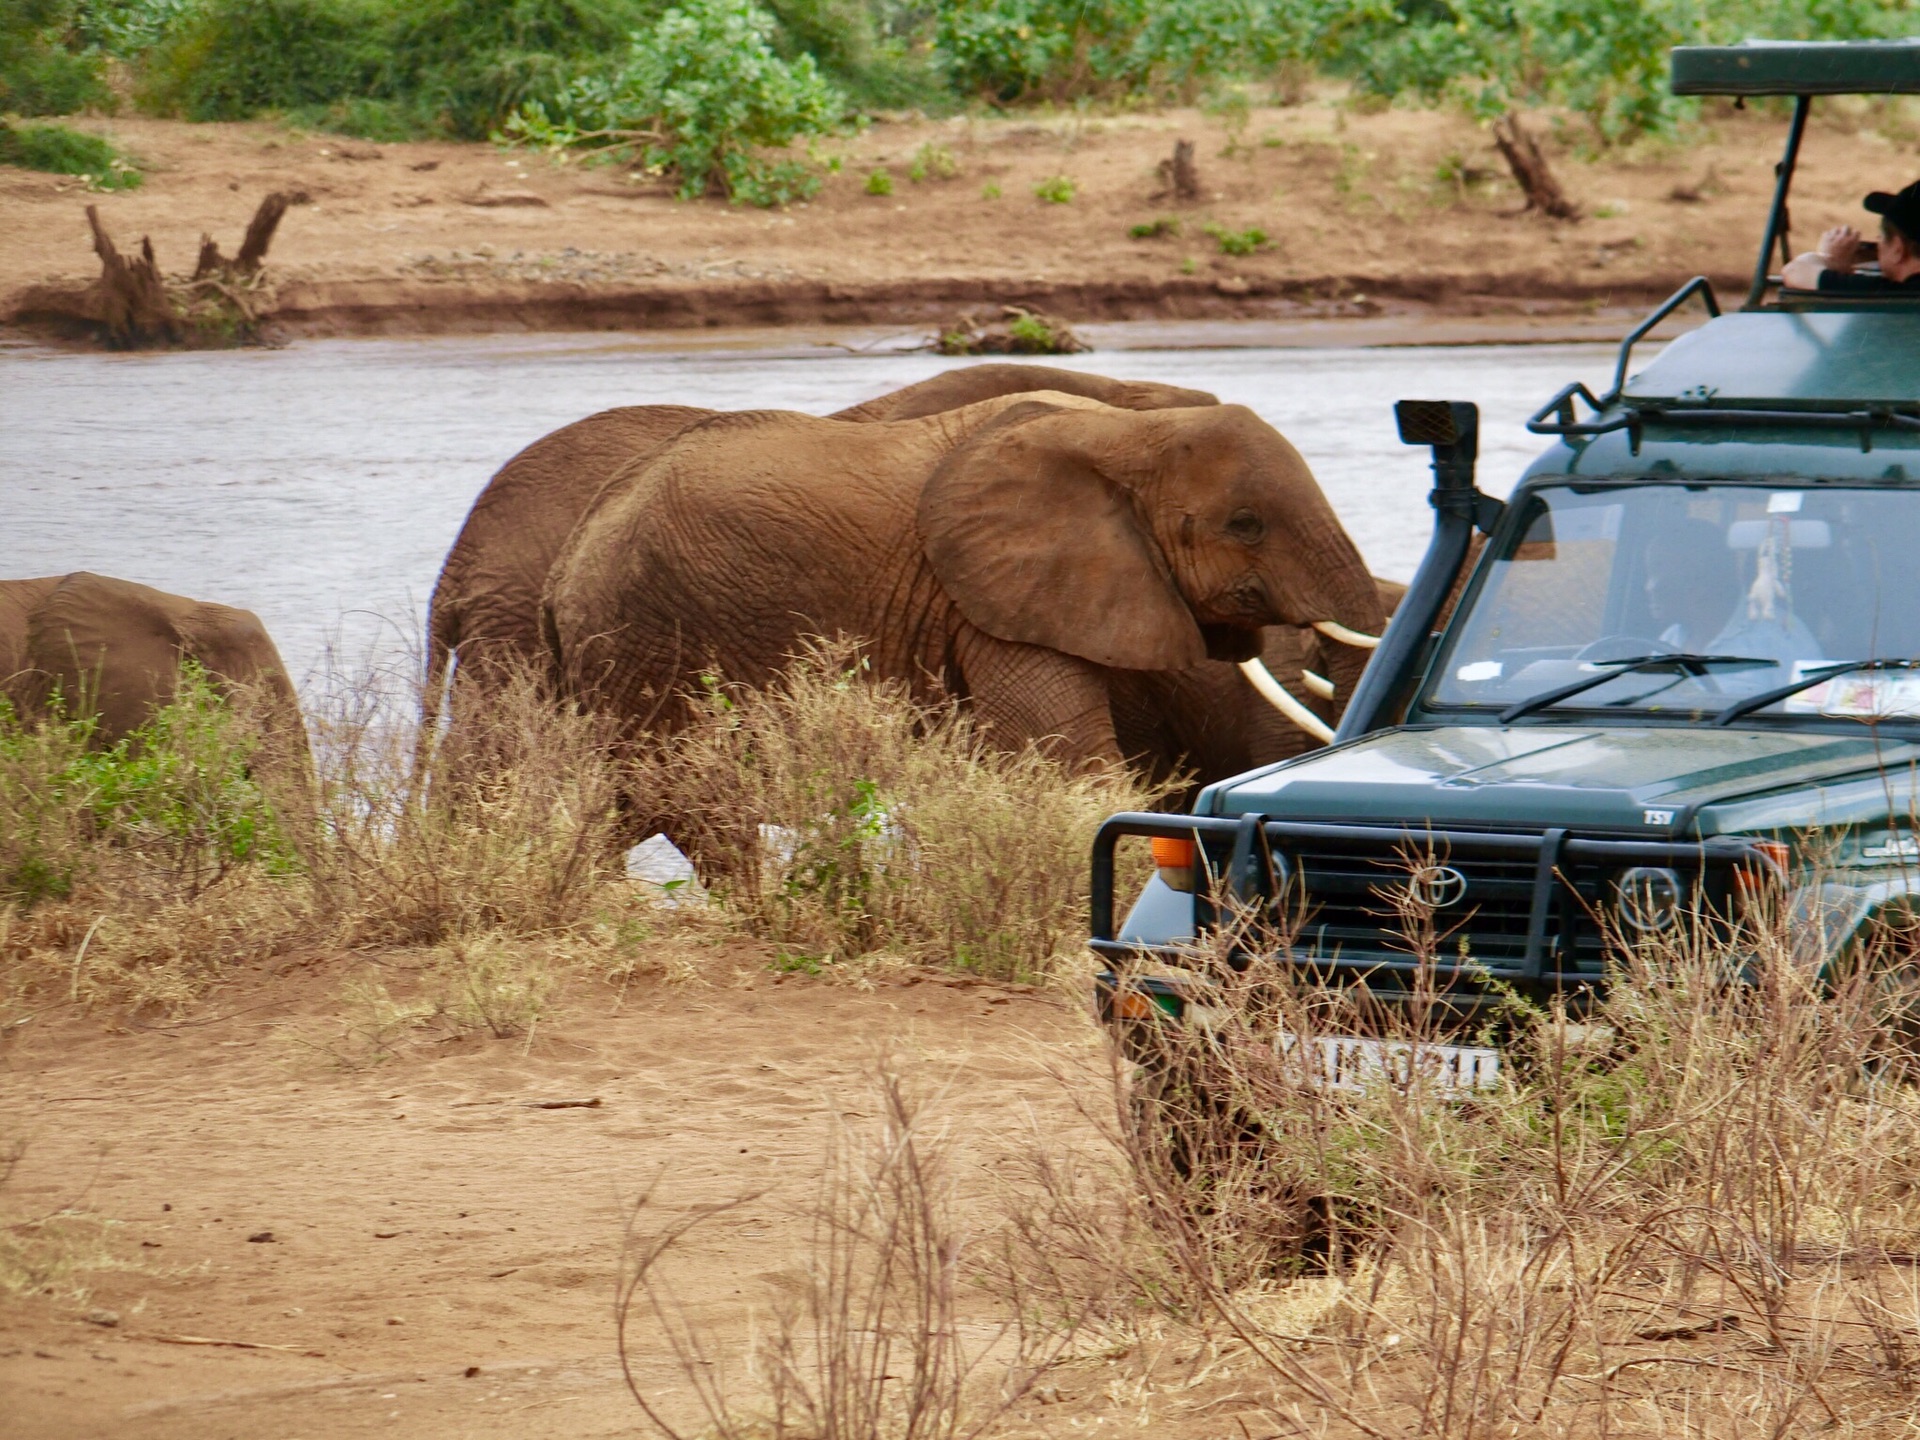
point(1020, 554)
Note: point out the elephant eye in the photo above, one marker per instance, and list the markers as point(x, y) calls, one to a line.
point(1247, 526)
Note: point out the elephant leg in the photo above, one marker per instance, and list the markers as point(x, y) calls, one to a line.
point(1024, 694)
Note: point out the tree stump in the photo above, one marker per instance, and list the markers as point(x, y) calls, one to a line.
point(1530, 169)
point(1180, 176)
point(133, 298)
point(217, 304)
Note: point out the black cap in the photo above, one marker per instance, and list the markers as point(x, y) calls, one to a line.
point(1902, 211)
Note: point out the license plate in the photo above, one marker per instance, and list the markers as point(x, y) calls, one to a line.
point(1347, 1062)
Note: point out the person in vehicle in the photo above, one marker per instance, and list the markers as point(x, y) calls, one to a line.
point(1830, 268)
point(1692, 583)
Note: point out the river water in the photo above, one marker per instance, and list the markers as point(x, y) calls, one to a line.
point(322, 484)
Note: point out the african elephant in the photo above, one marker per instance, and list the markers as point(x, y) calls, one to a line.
point(1015, 553)
point(1208, 721)
point(116, 647)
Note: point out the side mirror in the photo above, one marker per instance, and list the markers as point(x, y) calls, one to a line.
point(1451, 428)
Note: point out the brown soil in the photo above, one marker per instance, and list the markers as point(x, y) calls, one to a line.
point(442, 1258)
point(440, 237)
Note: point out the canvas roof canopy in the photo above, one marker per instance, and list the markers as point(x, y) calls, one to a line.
point(1799, 67)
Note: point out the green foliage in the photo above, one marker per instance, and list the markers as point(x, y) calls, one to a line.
point(1155, 228)
point(1056, 190)
point(876, 52)
point(232, 58)
point(1239, 242)
point(1008, 50)
point(991, 190)
point(700, 95)
point(1603, 59)
point(40, 71)
point(127, 28)
point(380, 68)
point(178, 798)
point(933, 161)
point(879, 182)
point(61, 151)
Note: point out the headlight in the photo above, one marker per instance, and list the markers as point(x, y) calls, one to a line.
point(1647, 898)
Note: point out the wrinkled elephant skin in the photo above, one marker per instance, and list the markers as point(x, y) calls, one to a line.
point(1013, 553)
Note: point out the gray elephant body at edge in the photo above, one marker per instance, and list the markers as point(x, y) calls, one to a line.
point(115, 647)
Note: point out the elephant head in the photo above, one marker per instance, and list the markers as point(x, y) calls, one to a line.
point(1144, 540)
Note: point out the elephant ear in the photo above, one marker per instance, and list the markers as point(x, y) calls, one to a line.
point(1039, 542)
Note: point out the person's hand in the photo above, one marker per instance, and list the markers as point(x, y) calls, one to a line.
point(1839, 247)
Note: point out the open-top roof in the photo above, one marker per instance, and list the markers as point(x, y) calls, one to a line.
point(1799, 67)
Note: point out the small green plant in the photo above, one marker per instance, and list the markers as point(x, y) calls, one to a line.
point(60, 151)
point(1189, 265)
point(991, 190)
point(933, 161)
point(702, 94)
point(1238, 242)
point(1154, 229)
point(1032, 334)
point(1056, 190)
point(879, 182)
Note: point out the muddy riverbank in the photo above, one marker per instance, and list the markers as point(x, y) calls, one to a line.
point(1405, 215)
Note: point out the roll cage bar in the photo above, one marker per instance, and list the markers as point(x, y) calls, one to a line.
point(1802, 70)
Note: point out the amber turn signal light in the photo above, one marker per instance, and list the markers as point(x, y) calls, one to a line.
point(1174, 860)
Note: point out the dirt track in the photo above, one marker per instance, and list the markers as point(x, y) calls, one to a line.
point(434, 237)
point(423, 1222)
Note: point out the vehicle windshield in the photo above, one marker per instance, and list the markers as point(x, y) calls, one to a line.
point(1791, 578)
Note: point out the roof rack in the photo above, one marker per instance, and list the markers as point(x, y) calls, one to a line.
point(1616, 410)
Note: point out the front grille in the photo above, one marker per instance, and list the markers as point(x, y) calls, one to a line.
point(1346, 908)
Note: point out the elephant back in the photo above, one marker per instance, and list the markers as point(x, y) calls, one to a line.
point(970, 384)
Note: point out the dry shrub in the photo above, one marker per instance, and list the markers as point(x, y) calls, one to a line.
point(506, 825)
point(142, 869)
point(837, 817)
point(1701, 1200)
point(867, 1339)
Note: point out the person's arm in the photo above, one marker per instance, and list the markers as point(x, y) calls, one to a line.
point(1838, 250)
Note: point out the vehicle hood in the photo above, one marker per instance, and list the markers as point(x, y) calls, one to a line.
point(1636, 780)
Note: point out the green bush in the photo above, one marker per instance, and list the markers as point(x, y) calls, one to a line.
point(230, 59)
point(40, 73)
point(701, 94)
point(1056, 190)
point(176, 802)
point(60, 151)
point(879, 182)
point(1238, 242)
point(462, 66)
point(1009, 50)
point(881, 53)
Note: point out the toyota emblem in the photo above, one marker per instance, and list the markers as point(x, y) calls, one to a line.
point(1437, 886)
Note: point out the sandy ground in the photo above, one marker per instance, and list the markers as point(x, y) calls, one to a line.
point(442, 1258)
point(426, 237)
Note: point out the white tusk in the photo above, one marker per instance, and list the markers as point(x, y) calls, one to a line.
point(1318, 684)
point(1334, 630)
point(1275, 695)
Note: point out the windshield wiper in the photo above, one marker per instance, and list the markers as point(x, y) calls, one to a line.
point(1686, 664)
point(1806, 682)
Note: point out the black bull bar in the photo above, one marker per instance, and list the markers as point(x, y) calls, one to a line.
point(1237, 868)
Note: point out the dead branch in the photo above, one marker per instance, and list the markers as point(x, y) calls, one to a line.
point(253, 249)
point(1530, 169)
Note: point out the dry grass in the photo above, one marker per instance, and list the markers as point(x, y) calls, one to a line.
point(869, 1336)
point(1702, 1219)
point(838, 818)
point(832, 816)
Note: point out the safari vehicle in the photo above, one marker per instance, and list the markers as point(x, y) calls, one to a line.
point(1683, 662)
